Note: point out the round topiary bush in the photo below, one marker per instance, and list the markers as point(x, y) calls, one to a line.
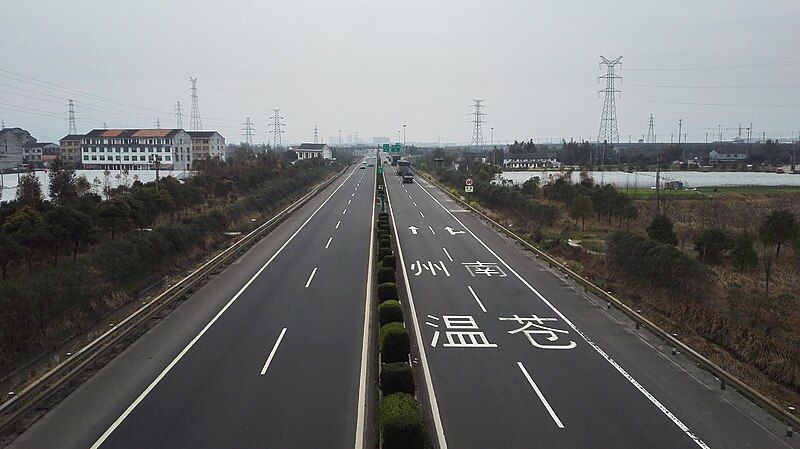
point(384, 225)
point(393, 342)
point(383, 252)
point(387, 292)
point(385, 274)
point(389, 261)
point(396, 378)
point(385, 241)
point(401, 423)
point(390, 311)
point(383, 216)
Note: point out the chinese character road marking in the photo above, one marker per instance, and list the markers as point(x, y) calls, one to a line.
point(485, 268)
point(418, 267)
point(466, 335)
point(531, 330)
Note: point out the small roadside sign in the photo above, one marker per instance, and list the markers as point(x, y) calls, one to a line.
point(468, 189)
point(380, 169)
point(468, 182)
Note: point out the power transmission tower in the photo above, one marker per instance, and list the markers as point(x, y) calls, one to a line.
point(316, 134)
point(680, 129)
point(277, 129)
point(248, 131)
point(179, 116)
point(105, 125)
point(651, 137)
point(158, 123)
point(72, 128)
point(195, 124)
point(477, 133)
point(608, 122)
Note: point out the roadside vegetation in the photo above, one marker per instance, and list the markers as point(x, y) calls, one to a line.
point(720, 269)
point(400, 422)
point(71, 259)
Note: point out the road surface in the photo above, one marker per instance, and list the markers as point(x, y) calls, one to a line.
point(267, 354)
point(515, 357)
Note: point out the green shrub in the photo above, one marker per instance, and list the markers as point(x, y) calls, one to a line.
point(389, 261)
point(385, 274)
point(401, 423)
point(711, 244)
point(385, 241)
point(387, 291)
point(393, 342)
point(396, 378)
point(383, 252)
point(384, 225)
point(383, 216)
point(390, 311)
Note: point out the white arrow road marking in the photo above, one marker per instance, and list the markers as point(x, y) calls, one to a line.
point(452, 232)
point(475, 296)
point(272, 353)
point(413, 229)
point(311, 277)
point(541, 396)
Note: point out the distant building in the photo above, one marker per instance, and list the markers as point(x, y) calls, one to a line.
point(380, 140)
point(726, 155)
point(71, 150)
point(39, 154)
point(136, 149)
point(207, 145)
point(11, 142)
point(513, 161)
point(311, 150)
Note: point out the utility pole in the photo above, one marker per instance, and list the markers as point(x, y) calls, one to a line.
point(277, 129)
point(72, 128)
point(248, 131)
point(492, 136)
point(178, 115)
point(195, 124)
point(404, 139)
point(651, 137)
point(608, 121)
point(105, 125)
point(680, 129)
point(477, 132)
point(659, 159)
point(706, 136)
point(316, 134)
point(158, 123)
point(340, 137)
point(719, 129)
point(355, 140)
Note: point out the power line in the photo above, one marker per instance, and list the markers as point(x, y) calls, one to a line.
point(608, 121)
point(477, 132)
point(194, 120)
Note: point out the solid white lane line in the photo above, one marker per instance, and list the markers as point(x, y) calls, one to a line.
point(186, 349)
point(478, 300)
point(446, 253)
point(423, 358)
point(329, 243)
point(585, 337)
point(272, 353)
point(434, 233)
point(365, 346)
point(338, 223)
point(308, 282)
point(541, 396)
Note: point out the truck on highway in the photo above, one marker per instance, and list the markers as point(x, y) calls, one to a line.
point(404, 171)
point(395, 158)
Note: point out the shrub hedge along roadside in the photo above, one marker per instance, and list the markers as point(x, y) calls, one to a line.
point(397, 378)
point(401, 423)
point(393, 342)
point(389, 261)
point(387, 292)
point(390, 311)
point(385, 275)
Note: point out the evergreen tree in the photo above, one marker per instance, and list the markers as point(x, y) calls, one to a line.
point(661, 229)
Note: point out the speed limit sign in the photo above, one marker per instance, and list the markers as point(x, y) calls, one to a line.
point(468, 182)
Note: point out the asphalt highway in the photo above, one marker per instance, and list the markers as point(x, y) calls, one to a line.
point(267, 354)
point(514, 357)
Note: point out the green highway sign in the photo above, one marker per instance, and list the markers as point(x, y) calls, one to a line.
point(386, 147)
point(380, 169)
point(396, 148)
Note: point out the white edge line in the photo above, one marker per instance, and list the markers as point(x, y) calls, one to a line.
point(365, 347)
point(476, 298)
point(313, 272)
point(586, 338)
point(272, 353)
point(426, 371)
point(541, 396)
point(186, 349)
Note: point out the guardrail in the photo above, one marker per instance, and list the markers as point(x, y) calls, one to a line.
point(724, 377)
point(43, 387)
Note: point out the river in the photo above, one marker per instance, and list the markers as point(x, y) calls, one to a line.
point(690, 179)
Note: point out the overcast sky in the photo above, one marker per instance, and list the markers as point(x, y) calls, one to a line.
point(371, 66)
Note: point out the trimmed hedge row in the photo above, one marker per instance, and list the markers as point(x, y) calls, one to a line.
point(400, 420)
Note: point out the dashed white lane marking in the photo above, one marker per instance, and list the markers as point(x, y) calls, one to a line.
point(272, 353)
point(338, 223)
point(415, 203)
point(329, 243)
point(446, 253)
point(348, 201)
point(421, 214)
point(344, 211)
point(474, 295)
point(308, 282)
point(434, 233)
point(541, 396)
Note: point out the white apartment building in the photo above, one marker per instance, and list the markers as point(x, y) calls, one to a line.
point(136, 149)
